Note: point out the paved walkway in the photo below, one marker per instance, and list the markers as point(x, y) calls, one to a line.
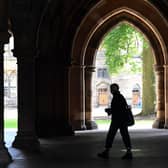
point(150, 148)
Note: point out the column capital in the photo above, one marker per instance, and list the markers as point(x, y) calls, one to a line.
point(166, 66)
point(90, 68)
point(159, 68)
point(76, 66)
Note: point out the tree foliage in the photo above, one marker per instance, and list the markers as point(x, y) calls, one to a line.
point(121, 44)
point(124, 45)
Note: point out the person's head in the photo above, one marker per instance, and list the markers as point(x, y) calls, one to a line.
point(114, 88)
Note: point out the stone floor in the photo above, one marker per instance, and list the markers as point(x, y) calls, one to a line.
point(150, 148)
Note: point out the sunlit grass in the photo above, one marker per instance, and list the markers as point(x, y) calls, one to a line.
point(107, 121)
point(10, 123)
point(102, 121)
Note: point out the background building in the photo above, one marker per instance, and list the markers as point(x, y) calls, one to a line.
point(10, 76)
point(130, 86)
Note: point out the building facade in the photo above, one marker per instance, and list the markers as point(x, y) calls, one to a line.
point(101, 82)
point(130, 86)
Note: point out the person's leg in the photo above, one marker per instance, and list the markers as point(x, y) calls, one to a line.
point(127, 141)
point(125, 136)
point(109, 140)
point(111, 135)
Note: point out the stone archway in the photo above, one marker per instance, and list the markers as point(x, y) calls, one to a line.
point(95, 25)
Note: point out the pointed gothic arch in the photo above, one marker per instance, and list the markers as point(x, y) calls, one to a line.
point(96, 24)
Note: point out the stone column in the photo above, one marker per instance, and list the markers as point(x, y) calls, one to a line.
point(90, 124)
point(4, 154)
point(166, 94)
point(77, 97)
point(160, 96)
point(26, 136)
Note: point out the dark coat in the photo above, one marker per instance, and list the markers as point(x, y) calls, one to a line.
point(118, 106)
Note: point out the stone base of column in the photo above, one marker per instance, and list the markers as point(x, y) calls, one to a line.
point(26, 141)
point(79, 125)
point(158, 123)
point(166, 124)
point(91, 125)
point(5, 157)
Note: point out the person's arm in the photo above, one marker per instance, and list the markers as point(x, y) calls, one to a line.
point(108, 111)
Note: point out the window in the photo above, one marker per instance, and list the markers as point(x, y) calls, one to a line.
point(102, 73)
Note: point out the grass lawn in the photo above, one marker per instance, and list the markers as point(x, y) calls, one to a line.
point(10, 123)
point(107, 121)
point(102, 121)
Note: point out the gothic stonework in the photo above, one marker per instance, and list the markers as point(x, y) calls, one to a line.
point(55, 44)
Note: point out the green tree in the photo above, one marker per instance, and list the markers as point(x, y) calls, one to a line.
point(122, 44)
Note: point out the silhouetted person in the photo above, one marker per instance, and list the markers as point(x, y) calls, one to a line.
point(119, 117)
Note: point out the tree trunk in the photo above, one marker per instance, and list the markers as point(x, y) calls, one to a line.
point(148, 90)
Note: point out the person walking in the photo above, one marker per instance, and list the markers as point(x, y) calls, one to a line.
point(118, 121)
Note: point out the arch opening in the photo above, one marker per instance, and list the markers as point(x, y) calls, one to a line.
point(89, 36)
point(128, 75)
point(10, 92)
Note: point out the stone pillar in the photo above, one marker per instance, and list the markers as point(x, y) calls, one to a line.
point(160, 96)
point(26, 136)
point(166, 94)
point(3, 17)
point(77, 97)
point(4, 154)
point(90, 124)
